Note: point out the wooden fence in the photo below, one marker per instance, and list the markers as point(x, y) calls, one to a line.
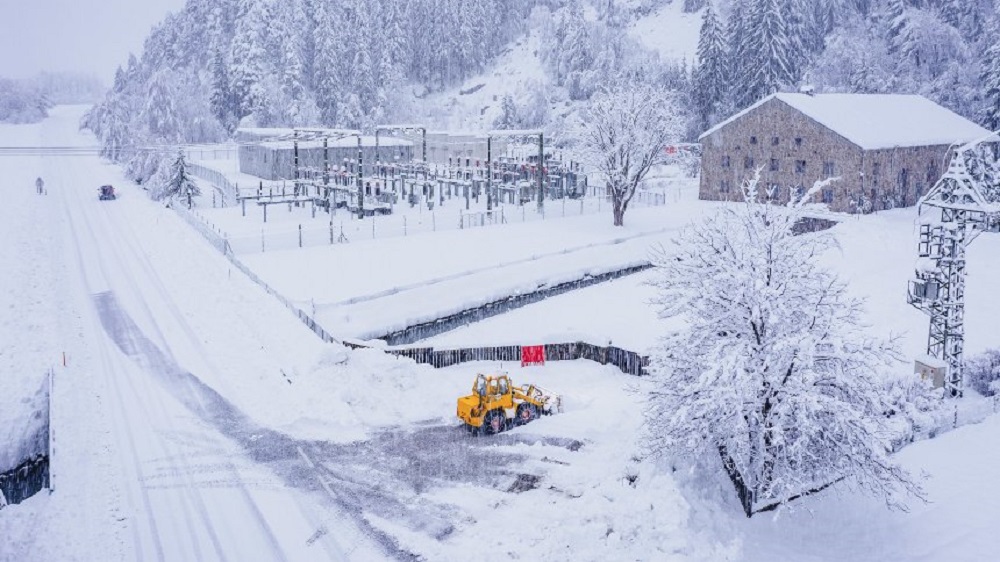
point(24, 480)
point(629, 362)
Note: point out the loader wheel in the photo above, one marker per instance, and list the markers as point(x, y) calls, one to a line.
point(493, 422)
point(526, 413)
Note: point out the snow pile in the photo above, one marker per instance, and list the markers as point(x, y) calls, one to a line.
point(345, 395)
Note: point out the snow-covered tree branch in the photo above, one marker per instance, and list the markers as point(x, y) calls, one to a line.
point(774, 369)
point(623, 134)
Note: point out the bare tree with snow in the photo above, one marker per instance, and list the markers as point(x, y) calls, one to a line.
point(623, 134)
point(774, 370)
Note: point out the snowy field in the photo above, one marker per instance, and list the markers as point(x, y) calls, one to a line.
point(876, 256)
point(197, 419)
point(424, 276)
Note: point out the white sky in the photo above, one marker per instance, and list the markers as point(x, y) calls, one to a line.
point(92, 36)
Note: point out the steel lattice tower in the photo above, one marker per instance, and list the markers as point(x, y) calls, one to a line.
point(968, 200)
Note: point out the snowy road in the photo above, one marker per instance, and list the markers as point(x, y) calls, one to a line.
point(195, 484)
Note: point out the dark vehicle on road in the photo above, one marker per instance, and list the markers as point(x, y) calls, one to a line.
point(107, 193)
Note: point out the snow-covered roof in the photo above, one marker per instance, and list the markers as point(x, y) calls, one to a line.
point(874, 121)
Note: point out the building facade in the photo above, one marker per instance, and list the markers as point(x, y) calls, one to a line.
point(275, 160)
point(885, 150)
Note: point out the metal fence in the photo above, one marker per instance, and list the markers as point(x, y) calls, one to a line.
point(343, 226)
point(220, 243)
point(228, 191)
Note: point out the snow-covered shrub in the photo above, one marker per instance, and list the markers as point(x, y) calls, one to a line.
point(143, 165)
point(916, 409)
point(982, 372)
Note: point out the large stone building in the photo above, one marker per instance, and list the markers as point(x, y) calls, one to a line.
point(886, 150)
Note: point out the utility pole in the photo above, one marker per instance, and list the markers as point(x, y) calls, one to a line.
point(541, 171)
point(962, 196)
point(361, 183)
point(489, 173)
point(295, 150)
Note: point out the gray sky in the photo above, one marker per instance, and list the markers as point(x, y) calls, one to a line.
point(92, 36)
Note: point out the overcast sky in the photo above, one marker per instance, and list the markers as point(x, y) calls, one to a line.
point(92, 36)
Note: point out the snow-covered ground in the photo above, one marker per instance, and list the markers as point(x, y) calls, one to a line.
point(198, 419)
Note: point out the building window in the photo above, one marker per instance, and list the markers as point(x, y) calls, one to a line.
point(724, 186)
point(748, 162)
point(800, 166)
point(774, 165)
point(753, 140)
point(828, 170)
point(798, 141)
point(725, 161)
point(827, 195)
point(932, 173)
point(904, 178)
point(799, 191)
point(775, 141)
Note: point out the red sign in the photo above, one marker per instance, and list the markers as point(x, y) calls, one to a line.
point(532, 355)
point(670, 149)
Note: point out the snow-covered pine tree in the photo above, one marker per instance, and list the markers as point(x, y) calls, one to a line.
point(622, 134)
point(896, 20)
point(773, 369)
point(247, 57)
point(327, 62)
point(711, 76)
point(221, 100)
point(737, 26)
point(160, 114)
point(990, 77)
point(769, 66)
point(508, 114)
point(795, 16)
point(178, 181)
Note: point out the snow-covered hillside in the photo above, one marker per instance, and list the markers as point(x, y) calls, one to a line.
point(520, 72)
point(670, 32)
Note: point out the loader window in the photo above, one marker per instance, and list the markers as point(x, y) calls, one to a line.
point(481, 386)
point(503, 386)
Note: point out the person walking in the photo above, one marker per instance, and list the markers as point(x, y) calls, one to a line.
point(39, 186)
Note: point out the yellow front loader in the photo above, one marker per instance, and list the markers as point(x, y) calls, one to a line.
point(495, 404)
